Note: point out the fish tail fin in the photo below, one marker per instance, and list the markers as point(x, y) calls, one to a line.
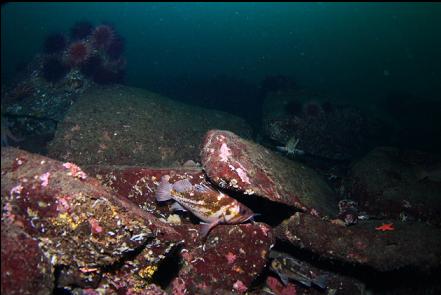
point(281, 148)
point(254, 215)
point(163, 192)
point(321, 281)
point(299, 152)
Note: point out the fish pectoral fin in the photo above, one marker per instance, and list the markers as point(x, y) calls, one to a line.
point(163, 192)
point(177, 207)
point(207, 227)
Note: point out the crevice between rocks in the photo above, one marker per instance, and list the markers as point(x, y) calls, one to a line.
point(376, 281)
point(269, 212)
point(168, 268)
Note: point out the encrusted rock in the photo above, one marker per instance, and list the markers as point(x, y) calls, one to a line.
point(80, 226)
point(227, 262)
point(238, 164)
point(25, 269)
point(238, 251)
point(397, 246)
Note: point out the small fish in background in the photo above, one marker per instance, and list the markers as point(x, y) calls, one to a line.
point(209, 205)
point(291, 147)
point(289, 268)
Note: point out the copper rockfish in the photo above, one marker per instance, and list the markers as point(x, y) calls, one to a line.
point(209, 205)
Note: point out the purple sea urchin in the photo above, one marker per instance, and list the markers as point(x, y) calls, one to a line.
point(78, 52)
point(102, 36)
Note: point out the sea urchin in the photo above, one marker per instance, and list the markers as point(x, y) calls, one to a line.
point(102, 36)
point(78, 52)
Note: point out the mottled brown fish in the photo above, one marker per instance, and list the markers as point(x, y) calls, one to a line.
point(289, 268)
point(211, 206)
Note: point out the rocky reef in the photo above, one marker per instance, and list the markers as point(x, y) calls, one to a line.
point(39, 96)
point(99, 229)
point(322, 129)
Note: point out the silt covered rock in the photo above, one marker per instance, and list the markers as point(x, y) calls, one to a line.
point(129, 126)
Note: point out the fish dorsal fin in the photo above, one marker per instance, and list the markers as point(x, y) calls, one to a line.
point(182, 186)
point(203, 188)
point(164, 190)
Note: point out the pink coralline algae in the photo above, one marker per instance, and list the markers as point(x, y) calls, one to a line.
point(75, 171)
point(278, 288)
point(63, 204)
point(230, 257)
point(224, 153)
point(265, 229)
point(240, 287)
point(95, 226)
point(179, 287)
point(16, 190)
point(45, 179)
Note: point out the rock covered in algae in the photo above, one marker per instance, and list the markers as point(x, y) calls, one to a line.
point(82, 227)
point(235, 163)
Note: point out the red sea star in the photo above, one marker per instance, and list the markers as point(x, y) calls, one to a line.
point(386, 227)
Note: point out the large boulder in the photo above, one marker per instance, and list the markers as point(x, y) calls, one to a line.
point(129, 126)
point(324, 130)
point(227, 262)
point(394, 183)
point(381, 247)
point(83, 228)
point(235, 163)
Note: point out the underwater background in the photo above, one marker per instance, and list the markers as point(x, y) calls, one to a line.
point(362, 53)
point(320, 121)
